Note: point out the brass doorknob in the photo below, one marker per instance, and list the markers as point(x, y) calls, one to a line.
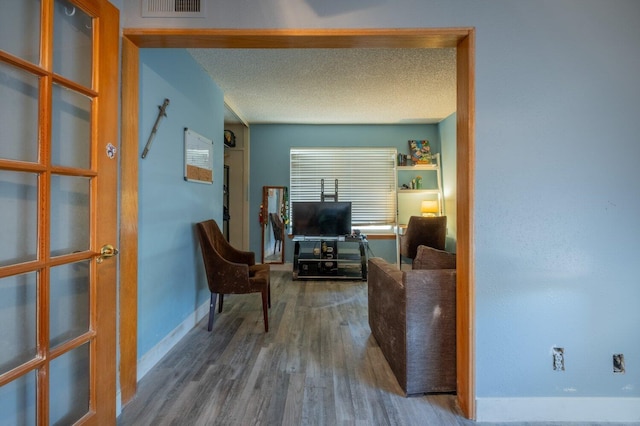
point(107, 251)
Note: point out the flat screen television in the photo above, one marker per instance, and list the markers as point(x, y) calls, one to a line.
point(317, 218)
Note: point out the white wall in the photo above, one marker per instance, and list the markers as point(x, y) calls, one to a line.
point(557, 201)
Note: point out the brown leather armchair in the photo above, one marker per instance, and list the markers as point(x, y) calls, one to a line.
point(231, 271)
point(427, 231)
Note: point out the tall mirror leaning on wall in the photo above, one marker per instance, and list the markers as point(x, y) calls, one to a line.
point(274, 219)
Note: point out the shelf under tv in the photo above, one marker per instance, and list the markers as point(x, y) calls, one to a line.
point(329, 258)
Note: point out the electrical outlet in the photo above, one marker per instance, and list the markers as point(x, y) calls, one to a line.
point(558, 359)
point(618, 363)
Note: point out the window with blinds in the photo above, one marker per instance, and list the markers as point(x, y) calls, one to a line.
point(365, 176)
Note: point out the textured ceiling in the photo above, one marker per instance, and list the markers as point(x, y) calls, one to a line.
point(334, 86)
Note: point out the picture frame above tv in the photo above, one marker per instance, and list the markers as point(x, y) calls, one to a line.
point(321, 218)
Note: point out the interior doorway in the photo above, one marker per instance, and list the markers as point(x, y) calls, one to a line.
point(238, 225)
point(463, 39)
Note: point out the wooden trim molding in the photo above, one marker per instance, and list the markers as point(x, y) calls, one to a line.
point(129, 222)
point(463, 39)
point(295, 38)
point(105, 365)
point(465, 287)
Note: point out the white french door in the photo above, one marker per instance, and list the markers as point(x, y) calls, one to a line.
point(58, 173)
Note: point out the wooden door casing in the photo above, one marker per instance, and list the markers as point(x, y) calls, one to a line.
point(463, 39)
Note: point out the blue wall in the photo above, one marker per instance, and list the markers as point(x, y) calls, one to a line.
point(171, 282)
point(270, 144)
point(556, 194)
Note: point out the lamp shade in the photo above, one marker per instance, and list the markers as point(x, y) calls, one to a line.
point(429, 208)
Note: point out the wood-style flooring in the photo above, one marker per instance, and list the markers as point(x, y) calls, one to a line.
point(317, 365)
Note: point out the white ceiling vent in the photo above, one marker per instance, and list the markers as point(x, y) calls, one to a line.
point(173, 8)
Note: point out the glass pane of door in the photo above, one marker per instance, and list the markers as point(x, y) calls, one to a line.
point(18, 401)
point(19, 212)
point(20, 29)
point(69, 387)
point(68, 302)
point(73, 43)
point(70, 210)
point(70, 128)
point(18, 99)
point(18, 321)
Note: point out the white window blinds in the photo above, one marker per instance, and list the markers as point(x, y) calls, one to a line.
point(366, 177)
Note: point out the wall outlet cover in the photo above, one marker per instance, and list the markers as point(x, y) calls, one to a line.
point(558, 359)
point(618, 363)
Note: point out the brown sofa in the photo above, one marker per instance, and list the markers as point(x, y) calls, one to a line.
point(412, 315)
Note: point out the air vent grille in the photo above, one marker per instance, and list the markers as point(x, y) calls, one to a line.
point(173, 8)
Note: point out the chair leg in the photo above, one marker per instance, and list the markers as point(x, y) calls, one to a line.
point(212, 310)
point(265, 311)
point(220, 302)
point(269, 290)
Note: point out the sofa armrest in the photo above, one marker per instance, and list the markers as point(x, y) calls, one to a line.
point(386, 297)
point(412, 317)
point(387, 313)
point(431, 330)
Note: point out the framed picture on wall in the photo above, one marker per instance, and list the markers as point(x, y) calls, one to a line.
point(198, 157)
point(229, 139)
point(420, 151)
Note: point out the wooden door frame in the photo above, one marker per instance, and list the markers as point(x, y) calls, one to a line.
point(107, 232)
point(463, 39)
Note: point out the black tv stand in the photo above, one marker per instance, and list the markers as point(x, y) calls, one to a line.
point(329, 257)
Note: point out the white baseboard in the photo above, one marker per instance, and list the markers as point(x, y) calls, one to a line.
point(118, 402)
point(561, 409)
point(155, 354)
point(151, 358)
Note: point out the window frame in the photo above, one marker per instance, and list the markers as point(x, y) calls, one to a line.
point(373, 195)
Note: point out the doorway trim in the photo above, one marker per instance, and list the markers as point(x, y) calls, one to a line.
point(462, 39)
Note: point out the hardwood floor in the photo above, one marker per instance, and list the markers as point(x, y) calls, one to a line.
point(318, 365)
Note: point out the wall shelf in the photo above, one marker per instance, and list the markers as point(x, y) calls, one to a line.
point(409, 200)
point(431, 166)
point(418, 191)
